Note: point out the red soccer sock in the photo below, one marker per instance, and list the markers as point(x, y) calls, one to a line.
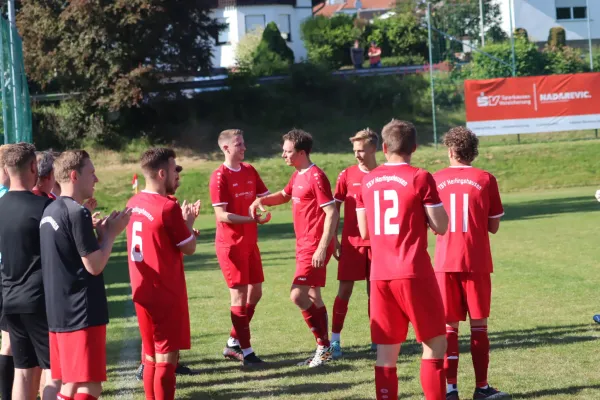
point(239, 318)
point(386, 383)
point(480, 353)
point(433, 379)
point(451, 360)
point(323, 327)
point(84, 396)
point(311, 317)
point(164, 381)
point(149, 372)
point(340, 309)
point(250, 309)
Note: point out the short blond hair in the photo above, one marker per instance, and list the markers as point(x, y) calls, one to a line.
point(227, 135)
point(366, 135)
point(2, 150)
point(68, 161)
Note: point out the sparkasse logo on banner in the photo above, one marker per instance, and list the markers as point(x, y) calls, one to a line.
point(533, 104)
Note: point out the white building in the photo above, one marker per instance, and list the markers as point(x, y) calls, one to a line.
point(243, 16)
point(538, 16)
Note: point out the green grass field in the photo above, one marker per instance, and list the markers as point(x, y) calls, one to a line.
point(544, 342)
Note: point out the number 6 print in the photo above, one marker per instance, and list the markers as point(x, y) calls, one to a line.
point(137, 254)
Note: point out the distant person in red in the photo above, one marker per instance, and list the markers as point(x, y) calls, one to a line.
point(46, 181)
point(233, 188)
point(374, 55)
point(315, 222)
point(159, 233)
point(397, 204)
point(354, 259)
point(463, 259)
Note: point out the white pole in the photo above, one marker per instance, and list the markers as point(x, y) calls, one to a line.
point(481, 23)
point(14, 66)
point(431, 74)
point(587, 11)
point(512, 38)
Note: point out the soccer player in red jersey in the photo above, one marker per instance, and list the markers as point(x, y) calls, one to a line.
point(233, 188)
point(315, 221)
point(397, 203)
point(159, 233)
point(463, 259)
point(354, 260)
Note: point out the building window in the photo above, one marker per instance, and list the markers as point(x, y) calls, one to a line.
point(571, 9)
point(254, 21)
point(284, 24)
point(223, 37)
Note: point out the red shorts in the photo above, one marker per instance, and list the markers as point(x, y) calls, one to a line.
point(163, 329)
point(79, 356)
point(355, 263)
point(240, 266)
point(465, 292)
point(396, 303)
point(306, 274)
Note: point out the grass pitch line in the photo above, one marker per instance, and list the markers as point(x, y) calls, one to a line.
point(129, 357)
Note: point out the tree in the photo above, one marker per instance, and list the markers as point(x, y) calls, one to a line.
point(113, 52)
point(272, 56)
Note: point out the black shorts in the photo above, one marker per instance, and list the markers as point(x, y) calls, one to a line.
point(29, 340)
point(3, 323)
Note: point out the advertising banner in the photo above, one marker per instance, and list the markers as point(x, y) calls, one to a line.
point(533, 104)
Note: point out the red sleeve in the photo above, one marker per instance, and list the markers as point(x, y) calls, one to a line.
point(261, 188)
point(219, 192)
point(288, 188)
point(426, 187)
point(175, 225)
point(341, 187)
point(322, 189)
point(496, 209)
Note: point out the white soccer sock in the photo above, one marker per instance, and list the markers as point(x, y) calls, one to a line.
point(451, 388)
point(232, 342)
point(484, 387)
point(247, 351)
point(335, 337)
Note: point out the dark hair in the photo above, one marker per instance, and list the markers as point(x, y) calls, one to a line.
point(18, 155)
point(156, 158)
point(463, 142)
point(302, 140)
point(400, 137)
point(45, 163)
point(68, 161)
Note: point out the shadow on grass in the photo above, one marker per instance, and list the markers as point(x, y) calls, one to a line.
point(549, 207)
point(572, 390)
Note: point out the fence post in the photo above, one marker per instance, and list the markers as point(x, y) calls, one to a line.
point(431, 75)
point(589, 29)
point(512, 38)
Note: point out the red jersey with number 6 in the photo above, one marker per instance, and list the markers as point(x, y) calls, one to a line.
point(347, 190)
point(155, 232)
point(394, 197)
point(470, 197)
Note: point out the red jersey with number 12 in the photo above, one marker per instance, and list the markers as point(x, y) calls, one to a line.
point(394, 197)
point(470, 197)
point(347, 190)
point(310, 191)
point(155, 232)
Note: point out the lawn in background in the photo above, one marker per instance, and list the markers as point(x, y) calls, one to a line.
point(544, 342)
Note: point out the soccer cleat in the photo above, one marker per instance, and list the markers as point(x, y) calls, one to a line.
point(183, 370)
point(233, 353)
point(252, 360)
point(489, 393)
point(453, 395)
point(139, 373)
point(597, 318)
point(336, 350)
point(322, 356)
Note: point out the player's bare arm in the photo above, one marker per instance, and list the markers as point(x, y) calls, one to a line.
point(273, 199)
point(438, 219)
point(338, 246)
point(493, 225)
point(189, 213)
point(231, 218)
point(331, 221)
point(107, 231)
point(361, 216)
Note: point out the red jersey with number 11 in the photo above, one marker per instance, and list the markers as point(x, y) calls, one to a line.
point(470, 197)
point(394, 197)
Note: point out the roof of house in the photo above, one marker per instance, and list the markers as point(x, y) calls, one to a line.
point(327, 9)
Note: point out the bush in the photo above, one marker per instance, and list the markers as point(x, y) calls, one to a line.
point(564, 60)
point(400, 35)
point(557, 37)
point(521, 33)
point(246, 47)
point(272, 56)
point(529, 60)
point(328, 40)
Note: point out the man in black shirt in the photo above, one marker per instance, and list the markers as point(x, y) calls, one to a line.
point(22, 288)
point(72, 263)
